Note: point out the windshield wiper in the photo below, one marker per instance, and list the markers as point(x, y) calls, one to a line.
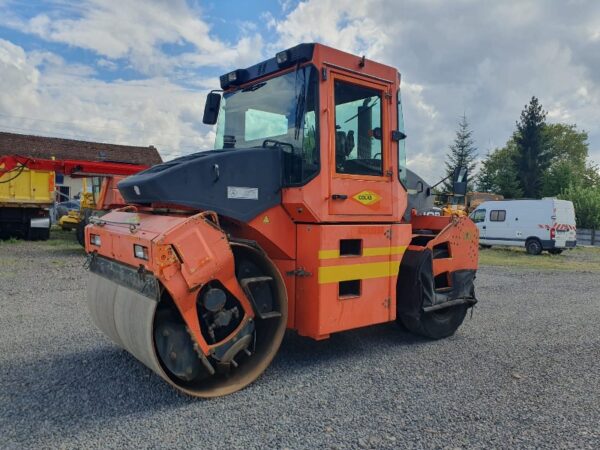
point(300, 107)
point(363, 111)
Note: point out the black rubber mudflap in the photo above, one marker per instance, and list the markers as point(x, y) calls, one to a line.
point(416, 286)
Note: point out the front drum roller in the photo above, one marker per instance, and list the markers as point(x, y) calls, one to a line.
point(154, 332)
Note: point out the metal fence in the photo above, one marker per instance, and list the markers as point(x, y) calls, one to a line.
point(588, 237)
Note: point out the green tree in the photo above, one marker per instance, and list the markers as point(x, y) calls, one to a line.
point(566, 142)
point(559, 176)
point(586, 201)
point(498, 173)
point(591, 176)
point(462, 153)
point(568, 165)
point(532, 157)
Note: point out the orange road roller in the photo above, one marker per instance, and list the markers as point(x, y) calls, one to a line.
point(296, 220)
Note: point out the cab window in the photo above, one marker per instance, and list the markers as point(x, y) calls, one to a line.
point(497, 215)
point(358, 147)
point(478, 215)
point(279, 112)
point(264, 124)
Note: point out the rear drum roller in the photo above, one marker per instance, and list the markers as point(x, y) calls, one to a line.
point(237, 363)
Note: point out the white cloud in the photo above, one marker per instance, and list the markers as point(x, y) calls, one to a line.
point(107, 64)
point(18, 81)
point(40, 93)
point(479, 58)
point(345, 24)
point(136, 31)
point(64, 100)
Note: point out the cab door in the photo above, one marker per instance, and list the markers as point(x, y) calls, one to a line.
point(362, 176)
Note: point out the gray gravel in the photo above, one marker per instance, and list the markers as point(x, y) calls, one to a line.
point(523, 372)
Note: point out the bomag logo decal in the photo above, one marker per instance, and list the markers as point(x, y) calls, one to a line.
point(367, 198)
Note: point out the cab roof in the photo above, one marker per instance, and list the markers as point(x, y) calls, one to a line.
point(320, 55)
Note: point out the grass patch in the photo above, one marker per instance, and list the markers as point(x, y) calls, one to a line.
point(580, 259)
point(60, 242)
point(9, 261)
point(9, 241)
point(60, 239)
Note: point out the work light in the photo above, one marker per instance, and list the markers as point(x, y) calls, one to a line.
point(140, 251)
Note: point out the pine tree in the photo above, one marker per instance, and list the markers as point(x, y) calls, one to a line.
point(462, 153)
point(532, 157)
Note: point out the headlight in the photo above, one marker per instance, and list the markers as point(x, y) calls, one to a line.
point(140, 251)
point(282, 57)
point(95, 240)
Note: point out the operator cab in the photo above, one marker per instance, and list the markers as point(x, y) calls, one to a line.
point(315, 129)
point(322, 108)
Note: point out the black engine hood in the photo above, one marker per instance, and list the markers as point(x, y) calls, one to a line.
point(236, 183)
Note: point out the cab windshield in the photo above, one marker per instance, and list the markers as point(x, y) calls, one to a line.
point(279, 111)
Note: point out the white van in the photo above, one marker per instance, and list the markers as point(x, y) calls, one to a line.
point(547, 224)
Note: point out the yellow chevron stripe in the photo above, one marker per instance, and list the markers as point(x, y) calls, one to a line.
point(334, 274)
point(369, 251)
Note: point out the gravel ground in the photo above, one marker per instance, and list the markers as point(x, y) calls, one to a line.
point(523, 372)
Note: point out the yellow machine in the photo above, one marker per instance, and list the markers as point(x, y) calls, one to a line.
point(73, 218)
point(456, 205)
point(27, 192)
point(26, 195)
point(461, 205)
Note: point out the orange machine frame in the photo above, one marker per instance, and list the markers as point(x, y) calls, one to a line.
point(340, 268)
point(315, 307)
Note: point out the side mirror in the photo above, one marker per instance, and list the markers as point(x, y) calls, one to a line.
point(459, 181)
point(211, 108)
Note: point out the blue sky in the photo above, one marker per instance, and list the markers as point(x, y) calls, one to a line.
point(137, 72)
point(229, 21)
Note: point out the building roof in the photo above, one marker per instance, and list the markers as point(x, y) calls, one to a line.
point(48, 147)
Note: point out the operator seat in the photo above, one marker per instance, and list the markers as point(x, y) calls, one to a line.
point(344, 144)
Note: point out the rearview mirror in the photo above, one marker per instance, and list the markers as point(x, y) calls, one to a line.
point(459, 181)
point(211, 108)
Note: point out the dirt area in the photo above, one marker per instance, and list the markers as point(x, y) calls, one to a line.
point(523, 371)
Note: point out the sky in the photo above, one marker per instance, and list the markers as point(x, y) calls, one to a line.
point(137, 72)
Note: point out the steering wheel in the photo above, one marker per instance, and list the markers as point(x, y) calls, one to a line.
point(376, 155)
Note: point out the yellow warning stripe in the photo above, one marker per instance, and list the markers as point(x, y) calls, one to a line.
point(369, 251)
point(382, 251)
point(329, 254)
point(334, 274)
